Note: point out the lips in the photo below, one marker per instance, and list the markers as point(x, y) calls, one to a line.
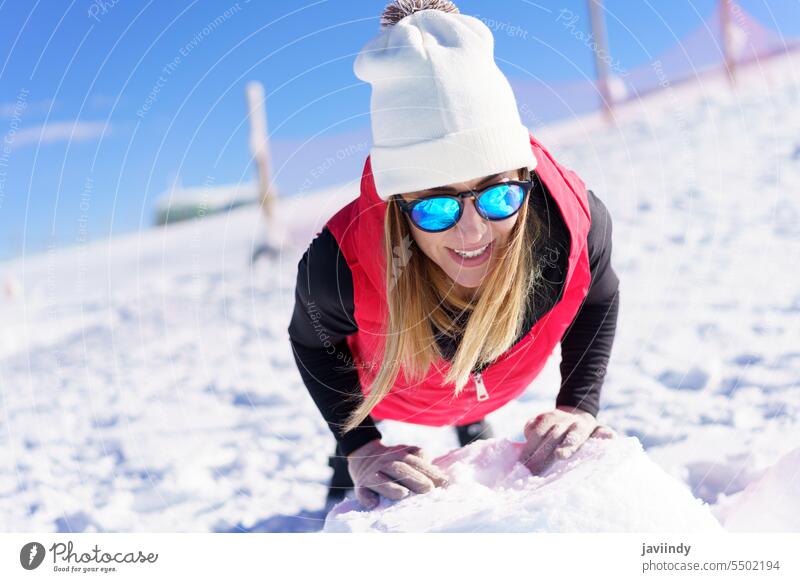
point(472, 261)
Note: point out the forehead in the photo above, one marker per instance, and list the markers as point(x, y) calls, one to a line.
point(464, 186)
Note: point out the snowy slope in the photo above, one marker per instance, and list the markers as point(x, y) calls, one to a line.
point(148, 385)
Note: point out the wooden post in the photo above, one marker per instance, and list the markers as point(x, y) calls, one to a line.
point(726, 34)
point(259, 145)
point(601, 64)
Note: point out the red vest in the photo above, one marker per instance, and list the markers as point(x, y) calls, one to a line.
point(358, 228)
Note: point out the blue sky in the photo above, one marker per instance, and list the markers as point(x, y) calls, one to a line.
point(105, 102)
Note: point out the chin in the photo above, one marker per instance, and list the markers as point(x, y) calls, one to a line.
point(471, 283)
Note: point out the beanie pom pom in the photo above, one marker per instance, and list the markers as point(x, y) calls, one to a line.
point(399, 9)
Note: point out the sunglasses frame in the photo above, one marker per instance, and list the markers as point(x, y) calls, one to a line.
point(408, 207)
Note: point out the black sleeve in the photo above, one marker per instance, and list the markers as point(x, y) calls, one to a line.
point(321, 321)
point(586, 345)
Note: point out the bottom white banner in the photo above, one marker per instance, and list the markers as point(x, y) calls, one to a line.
point(407, 557)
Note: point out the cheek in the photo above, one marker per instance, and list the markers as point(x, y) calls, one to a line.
point(503, 228)
point(426, 241)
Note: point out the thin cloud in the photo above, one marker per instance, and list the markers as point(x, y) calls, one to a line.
point(22, 108)
point(61, 131)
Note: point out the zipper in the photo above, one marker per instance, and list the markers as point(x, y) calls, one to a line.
point(480, 387)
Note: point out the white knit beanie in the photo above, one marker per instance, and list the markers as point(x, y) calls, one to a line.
point(441, 110)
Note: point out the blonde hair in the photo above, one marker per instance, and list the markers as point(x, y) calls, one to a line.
point(417, 292)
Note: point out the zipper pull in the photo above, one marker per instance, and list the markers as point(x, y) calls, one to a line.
point(480, 387)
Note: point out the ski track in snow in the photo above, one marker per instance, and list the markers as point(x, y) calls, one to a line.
point(148, 384)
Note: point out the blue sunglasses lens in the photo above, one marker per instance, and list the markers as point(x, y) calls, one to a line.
point(497, 203)
point(501, 201)
point(435, 213)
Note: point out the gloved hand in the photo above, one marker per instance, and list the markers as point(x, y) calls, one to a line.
point(393, 472)
point(558, 434)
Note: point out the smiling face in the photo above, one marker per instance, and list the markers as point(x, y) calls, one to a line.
point(465, 252)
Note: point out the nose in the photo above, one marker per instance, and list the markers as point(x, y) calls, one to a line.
point(472, 227)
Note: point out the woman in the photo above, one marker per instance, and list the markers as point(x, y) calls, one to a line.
point(438, 294)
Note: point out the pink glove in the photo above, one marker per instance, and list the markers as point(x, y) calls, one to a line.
point(393, 472)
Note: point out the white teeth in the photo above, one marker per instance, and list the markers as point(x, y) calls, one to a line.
point(472, 254)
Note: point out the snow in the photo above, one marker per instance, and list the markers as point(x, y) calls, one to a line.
point(147, 383)
point(607, 486)
point(769, 504)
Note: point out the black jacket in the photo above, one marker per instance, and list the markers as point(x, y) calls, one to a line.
point(323, 318)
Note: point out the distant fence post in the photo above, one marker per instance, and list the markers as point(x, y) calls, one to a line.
point(600, 63)
point(727, 40)
point(259, 145)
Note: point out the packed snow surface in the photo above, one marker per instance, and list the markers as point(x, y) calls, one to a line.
point(607, 486)
point(769, 504)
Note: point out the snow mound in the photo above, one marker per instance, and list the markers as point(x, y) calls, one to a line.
point(608, 485)
point(770, 503)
